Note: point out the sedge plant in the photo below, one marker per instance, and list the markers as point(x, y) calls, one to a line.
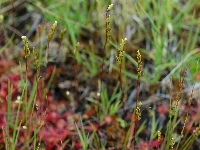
point(119, 61)
point(107, 37)
point(137, 112)
point(107, 105)
point(26, 118)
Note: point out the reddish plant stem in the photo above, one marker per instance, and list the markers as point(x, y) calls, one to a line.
point(136, 120)
point(131, 135)
point(138, 91)
point(103, 54)
point(26, 90)
point(188, 110)
point(135, 116)
point(186, 117)
point(120, 76)
point(5, 133)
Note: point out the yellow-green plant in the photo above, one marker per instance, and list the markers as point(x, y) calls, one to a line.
point(119, 61)
point(107, 38)
point(49, 37)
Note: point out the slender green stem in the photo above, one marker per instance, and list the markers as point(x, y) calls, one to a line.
point(47, 52)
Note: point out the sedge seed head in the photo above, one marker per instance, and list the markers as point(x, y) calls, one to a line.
point(121, 51)
point(26, 48)
point(140, 104)
point(51, 33)
point(110, 7)
point(124, 41)
point(159, 135)
point(36, 61)
point(62, 34)
point(23, 37)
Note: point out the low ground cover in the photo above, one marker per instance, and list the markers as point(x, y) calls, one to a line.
point(101, 76)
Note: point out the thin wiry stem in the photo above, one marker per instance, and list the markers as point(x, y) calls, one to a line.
point(119, 60)
point(187, 115)
point(136, 119)
point(105, 44)
point(123, 103)
point(47, 51)
point(26, 90)
point(136, 115)
point(104, 49)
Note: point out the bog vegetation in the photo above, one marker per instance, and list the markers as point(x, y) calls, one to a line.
point(99, 75)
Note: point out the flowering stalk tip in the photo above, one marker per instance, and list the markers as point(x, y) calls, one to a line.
point(110, 7)
point(53, 28)
point(26, 48)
